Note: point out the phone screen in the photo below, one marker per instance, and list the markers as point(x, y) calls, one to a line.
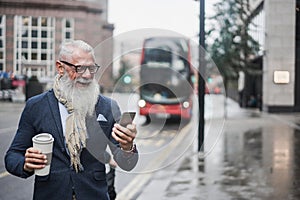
point(127, 118)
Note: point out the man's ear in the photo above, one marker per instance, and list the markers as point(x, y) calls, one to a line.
point(59, 67)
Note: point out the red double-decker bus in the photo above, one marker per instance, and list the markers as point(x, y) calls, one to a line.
point(166, 85)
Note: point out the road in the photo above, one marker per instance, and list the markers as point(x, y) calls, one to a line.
point(155, 141)
point(11, 187)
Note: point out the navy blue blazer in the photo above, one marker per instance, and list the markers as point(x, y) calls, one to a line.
point(41, 114)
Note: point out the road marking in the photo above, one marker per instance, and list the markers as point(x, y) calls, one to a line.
point(132, 189)
point(4, 174)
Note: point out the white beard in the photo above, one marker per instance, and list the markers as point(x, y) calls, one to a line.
point(83, 99)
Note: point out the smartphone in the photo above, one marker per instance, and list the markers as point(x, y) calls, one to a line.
point(127, 118)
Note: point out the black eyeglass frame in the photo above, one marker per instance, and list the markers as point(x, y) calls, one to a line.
point(84, 67)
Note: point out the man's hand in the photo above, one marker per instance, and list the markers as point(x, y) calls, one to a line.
point(112, 163)
point(34, 159)
point(124, 135)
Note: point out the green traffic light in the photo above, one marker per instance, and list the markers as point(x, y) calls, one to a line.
point(127, 79)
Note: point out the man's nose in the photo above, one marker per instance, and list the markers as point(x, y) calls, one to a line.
point(87, 74)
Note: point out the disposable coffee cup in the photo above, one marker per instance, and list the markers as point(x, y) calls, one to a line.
point(44, 143)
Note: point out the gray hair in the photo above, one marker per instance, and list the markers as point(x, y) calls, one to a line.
point(67, 48)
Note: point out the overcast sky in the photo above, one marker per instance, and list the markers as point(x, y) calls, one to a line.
point(181, 16)
point(132, 17)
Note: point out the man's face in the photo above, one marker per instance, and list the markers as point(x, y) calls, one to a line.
point(76, 68)
point(79, 87)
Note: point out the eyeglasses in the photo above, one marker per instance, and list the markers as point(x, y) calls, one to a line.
point(80, 69)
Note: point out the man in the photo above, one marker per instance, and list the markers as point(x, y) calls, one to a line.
point(82, 123)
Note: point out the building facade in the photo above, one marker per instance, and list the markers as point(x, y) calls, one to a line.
point(31, 32)
point(278, 30)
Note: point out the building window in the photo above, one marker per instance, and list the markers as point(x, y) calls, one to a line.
point(67, 29)
point(24, 44)
point(44, 34)
point(257, 29)
point(34, 50)
point(34, 21)
point(44, 45)
point(2, 43)
point(44, 56)
point(34, 33)
point(34, 45)
point(25, 56)
point(44, 21)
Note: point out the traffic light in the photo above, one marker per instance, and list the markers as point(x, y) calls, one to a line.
point(127, 79)
point(209, 80)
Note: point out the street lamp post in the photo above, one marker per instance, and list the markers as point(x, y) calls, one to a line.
point(201, 75)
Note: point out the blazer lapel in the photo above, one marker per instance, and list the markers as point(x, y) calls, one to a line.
point(53, 103)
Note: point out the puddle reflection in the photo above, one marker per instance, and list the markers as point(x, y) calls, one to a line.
point(261, 163)
point(254, 159)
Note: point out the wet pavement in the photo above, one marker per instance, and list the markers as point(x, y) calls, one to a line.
point(255, 156)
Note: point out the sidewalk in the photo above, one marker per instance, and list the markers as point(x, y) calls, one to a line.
point(254, 156)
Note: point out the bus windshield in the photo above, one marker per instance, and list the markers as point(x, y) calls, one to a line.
point(165, 70)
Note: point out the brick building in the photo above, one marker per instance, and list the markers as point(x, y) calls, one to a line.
point(32, 30)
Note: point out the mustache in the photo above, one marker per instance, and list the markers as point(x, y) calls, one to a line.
point(83, 80)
